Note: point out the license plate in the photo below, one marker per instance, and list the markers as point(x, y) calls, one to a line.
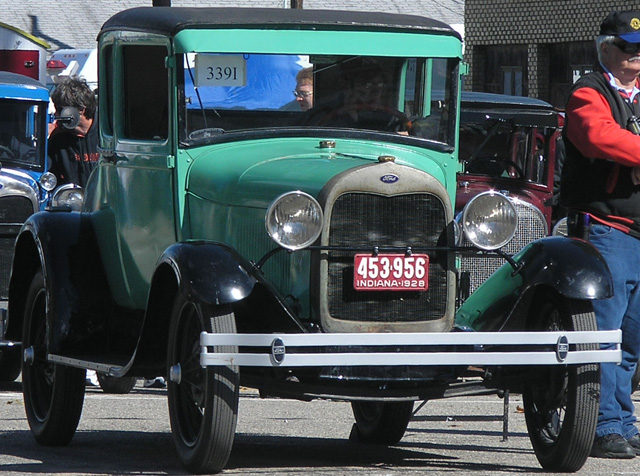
point(391, 272)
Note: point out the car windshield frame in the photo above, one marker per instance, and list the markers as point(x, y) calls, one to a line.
point(23, 134)
point(229, 93)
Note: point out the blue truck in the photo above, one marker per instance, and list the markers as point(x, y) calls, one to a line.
point(25, 185)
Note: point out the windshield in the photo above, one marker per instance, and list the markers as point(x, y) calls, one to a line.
point(23, 133)
point(398, 95)
point(500, 149)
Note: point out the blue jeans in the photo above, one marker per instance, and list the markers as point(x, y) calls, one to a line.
point(622, 311)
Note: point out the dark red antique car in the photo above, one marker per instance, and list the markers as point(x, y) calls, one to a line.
point(507, 145)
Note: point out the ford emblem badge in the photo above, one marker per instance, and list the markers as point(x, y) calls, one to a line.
point(562, 348)
point(389, 178)
point(278, 351)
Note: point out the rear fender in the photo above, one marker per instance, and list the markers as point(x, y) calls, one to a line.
point(64, 246)
point(573, 267)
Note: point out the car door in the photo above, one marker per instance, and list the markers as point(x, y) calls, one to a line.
point(133, 189)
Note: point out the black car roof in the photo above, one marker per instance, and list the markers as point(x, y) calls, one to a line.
point(478, 99)
point(170, 20)
point(477, 107)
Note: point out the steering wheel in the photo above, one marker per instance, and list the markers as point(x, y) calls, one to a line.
point(497, 160)
point(390, 119)
point(8, 151)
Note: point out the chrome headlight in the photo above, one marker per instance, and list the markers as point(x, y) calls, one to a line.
point(294, 220)
point(489, 220)
point(48, 181)
point(68, 195)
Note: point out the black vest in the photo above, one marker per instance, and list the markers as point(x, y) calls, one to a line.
point(598, 186)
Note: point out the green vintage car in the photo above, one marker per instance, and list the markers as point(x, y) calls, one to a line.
point(233, 235)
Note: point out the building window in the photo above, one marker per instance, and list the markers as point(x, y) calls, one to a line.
point(512, 81)
point(578, 71)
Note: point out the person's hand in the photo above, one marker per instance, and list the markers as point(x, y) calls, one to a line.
point(635, 175)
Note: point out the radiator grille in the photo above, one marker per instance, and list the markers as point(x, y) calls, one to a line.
point(368, 220)
point(13, 213)
point(531, 226)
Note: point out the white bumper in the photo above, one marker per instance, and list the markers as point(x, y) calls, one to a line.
point(356, 349)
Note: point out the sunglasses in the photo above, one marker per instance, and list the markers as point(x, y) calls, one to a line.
point(302, 94)
point(626, 47)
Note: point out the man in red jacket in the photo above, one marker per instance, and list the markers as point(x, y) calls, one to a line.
point(600, 181)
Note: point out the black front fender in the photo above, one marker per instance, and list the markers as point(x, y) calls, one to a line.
point(208, 272)
point(573, 267)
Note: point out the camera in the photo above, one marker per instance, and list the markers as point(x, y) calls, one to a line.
point(633, 124)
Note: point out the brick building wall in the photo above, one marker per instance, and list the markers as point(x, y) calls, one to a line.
point(492, 27)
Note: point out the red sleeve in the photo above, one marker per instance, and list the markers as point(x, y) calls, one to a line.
point(591, 128)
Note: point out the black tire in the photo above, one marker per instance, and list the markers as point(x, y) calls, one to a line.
point(10, 363)
point(119, 385)
point(203, 406)
point(561, 408)
point(53, 394)
point(381, 422)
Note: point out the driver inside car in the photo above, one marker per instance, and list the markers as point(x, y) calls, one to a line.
point(363, 101)
point(364, 90)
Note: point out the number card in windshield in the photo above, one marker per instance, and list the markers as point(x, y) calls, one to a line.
point(220, 70)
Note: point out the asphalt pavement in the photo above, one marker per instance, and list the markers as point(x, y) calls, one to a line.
point(130, 435)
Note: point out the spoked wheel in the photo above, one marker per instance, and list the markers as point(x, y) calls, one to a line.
point(381, 422)
point(561, 407)
point(203, 402)
point(53, 394)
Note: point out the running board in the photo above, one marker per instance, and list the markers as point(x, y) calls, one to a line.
point(108, 369)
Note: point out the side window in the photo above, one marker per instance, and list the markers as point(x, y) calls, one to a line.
point(412, 92)
point(106, 91)
point(429, 91)
point(539, 162)
point(146, 92)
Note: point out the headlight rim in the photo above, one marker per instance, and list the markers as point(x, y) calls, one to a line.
point(48, 181)
point(312, 238)
point(65, 188)
point(475, 242)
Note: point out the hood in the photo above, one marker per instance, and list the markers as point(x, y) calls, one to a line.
point(253, 173)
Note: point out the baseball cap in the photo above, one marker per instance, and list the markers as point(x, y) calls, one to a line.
point(624, 24)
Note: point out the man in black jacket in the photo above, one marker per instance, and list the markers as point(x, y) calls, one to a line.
point(73, 153)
